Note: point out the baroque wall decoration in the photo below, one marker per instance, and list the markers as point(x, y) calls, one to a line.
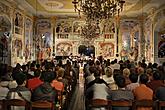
point(28, 39)
point(5, 29)
point(130, 40)
point(43, 39)
point(77, 26)
point(64, 49)
point(108, 26)
point(148, 39)
point(17, 47)
point(18, 23)
point(161, 45)
point(107, 49)
point(63, 28)
point(159, 31)
point(5, 9)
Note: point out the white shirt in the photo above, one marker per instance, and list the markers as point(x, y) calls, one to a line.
point(3, 92)
point(108, 80)
point(100, 91)
point(116, 66)
point(89, 78)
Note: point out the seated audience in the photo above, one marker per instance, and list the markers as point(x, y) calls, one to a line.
point(149, 72)
point(57, 85)
point(3, 91)
point(156, 82)
point(97, 89)
point(126, 73)
point(90, 77)
point(142, 91)
point(134, 78)
point(108, 77)
point(8, 75)
point(8, 81)
point(160, 94)
point(20, 92)
point(121, 93)
point(34, 82)
point(25, 71)
point(95, 86)
point(60, 77)
point(89, 64)
point(45, 91)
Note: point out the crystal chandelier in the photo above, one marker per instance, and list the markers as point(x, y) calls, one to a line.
point(98, 9)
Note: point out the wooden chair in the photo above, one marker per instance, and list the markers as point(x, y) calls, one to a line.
point(143, 103)
point(16, 102)
point(161, 104)
point(121, 103)
point(1, 104)
point(98, 103)
point(42, 105)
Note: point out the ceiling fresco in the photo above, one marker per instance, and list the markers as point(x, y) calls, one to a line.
point(132, 8)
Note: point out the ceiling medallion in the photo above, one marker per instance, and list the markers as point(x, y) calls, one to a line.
point(51, 5)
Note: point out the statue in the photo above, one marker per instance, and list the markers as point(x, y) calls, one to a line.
point(124, 54)
point(133, 55)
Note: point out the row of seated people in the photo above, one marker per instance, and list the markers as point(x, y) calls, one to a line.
point(53, 83)
point(8, 104)
point(102, 104)
point(122, 85)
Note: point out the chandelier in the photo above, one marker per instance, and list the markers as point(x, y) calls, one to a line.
point(98, 9)
point(90, 30)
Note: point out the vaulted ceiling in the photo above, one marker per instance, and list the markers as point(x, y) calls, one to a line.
point(132, 8)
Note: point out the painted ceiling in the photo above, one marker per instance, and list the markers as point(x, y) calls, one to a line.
point(132, 8)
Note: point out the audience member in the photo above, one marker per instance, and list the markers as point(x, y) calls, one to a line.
point(126, 73)
point(142, 91)
point(57, 85)
point(108, 77)
point(34, 82)
point(133, 78)
point(121, 93)
point(45, 91)
point(156, 82)
point(90, 77)
point(3, 91)
point(96, 85)
point(20, 92)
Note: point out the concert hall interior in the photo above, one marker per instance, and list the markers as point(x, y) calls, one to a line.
point(79, 51)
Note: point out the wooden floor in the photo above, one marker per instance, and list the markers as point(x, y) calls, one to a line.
point(77, 102)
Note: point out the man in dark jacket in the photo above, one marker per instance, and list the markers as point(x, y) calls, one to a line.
point(45, 91)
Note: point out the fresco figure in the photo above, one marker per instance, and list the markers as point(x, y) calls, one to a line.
point(124, 54)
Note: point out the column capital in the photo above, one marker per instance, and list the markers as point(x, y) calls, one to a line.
point(35, 18)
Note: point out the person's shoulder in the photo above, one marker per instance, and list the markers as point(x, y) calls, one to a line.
point(12, 90)
point(22, 89)
point(160, 89)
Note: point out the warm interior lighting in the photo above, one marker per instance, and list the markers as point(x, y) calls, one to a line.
point(98, 9)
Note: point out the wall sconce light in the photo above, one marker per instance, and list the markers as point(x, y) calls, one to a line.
point(7, 34)
point(43, 36)
point(135, 39)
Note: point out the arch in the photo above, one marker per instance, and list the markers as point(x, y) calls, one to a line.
point(159, 30)
point(5, 30)
point(86, 50)
point(5, 23)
